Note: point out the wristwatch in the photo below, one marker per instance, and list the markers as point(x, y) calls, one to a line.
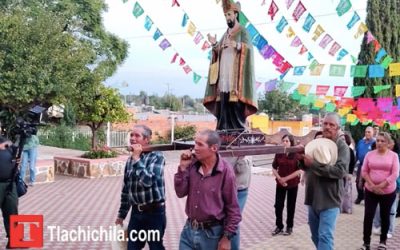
point(228, 235)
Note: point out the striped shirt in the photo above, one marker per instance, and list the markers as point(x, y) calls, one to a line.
point(143, 182)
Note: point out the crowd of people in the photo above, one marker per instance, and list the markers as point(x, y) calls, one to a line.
point(216, 188)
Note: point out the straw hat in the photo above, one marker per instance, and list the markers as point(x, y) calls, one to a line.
point(323, 150)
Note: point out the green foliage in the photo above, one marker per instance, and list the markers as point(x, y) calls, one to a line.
point(62, 136)
point(95, 107)
point(171, 102)
point(160, 140)
point(383, 21)
point(279, 105)
point(100, 152)
point(69, 118)
point(185, 132)
point(50, 50)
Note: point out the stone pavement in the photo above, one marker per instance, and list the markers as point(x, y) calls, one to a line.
point(71, 202)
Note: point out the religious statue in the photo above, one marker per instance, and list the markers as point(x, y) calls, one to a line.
point(230, 91)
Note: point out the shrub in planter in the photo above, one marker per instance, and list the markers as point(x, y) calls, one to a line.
point(100, 152)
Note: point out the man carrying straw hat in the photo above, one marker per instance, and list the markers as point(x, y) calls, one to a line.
point(323, 183)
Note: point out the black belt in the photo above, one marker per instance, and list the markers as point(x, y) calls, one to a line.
point(203, 225)
point(148, 207)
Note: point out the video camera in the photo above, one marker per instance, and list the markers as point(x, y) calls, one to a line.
point(26, 127)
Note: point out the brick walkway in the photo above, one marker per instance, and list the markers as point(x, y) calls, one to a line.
point(72, 202)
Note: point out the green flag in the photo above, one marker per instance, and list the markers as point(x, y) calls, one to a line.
point(196, 77)
point(356, 121)
point(357, 90)
point(137, 10)
point(337, 70)
point(304, 100)
point(313, 64)
point(385, 63)
point(296, 96)
point(358, 70)
point(379, 88)
point(330, 107)
point(343, 7)
point(285, 86)
point(243, 19)
point(354, 59)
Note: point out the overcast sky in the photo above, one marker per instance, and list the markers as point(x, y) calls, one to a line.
point(148, 68)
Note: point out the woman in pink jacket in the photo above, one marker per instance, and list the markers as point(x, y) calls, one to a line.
point(380, 171)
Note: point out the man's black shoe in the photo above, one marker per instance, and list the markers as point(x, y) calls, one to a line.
point(288, 231)
point(357, 201)
point(277, 231)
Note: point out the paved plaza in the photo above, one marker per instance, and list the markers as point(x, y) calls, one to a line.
point(71, 202)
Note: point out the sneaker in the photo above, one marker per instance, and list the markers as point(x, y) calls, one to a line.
point(277, 231)
point(376, 230)
point(31, 184)
point(288, 231)
point(382, 246)
point(365, 247)
point(389, 235)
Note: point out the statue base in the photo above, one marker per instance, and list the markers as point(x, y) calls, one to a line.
point(237, 138)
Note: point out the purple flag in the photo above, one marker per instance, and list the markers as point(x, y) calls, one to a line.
point(164, 44)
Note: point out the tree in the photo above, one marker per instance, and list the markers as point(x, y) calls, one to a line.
point(279, 105)
point(172, 103)
point(383, 22)
point(48, 48)
point(97, 107)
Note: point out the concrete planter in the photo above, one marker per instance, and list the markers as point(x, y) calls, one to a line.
point(44, 172)
point(89, 168)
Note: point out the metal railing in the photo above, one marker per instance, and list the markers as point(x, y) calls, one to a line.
point(117, 138)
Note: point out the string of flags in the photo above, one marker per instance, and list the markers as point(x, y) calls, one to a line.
point(165, 43)
point(309, 22)
point(353, 109)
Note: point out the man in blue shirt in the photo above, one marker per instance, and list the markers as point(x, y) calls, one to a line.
point(362, 148)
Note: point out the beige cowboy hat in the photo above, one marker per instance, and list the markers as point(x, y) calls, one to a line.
point(322, 150)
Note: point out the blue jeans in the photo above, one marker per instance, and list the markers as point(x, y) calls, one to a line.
point(200, 239)
point(393, 211)
point(155, 221)
point(322, 225)
point(29, 155)
point(242, 198)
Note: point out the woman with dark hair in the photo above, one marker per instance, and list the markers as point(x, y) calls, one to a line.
point(380, 170)
point(285, 168)
point(376, 229)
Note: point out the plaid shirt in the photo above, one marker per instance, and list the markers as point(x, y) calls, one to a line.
point(143, 182)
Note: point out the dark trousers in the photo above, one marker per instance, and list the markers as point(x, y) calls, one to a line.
point(290, 205)
point(9, 204)
point(154, 220)
point(385, 202)
point(360, 191)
